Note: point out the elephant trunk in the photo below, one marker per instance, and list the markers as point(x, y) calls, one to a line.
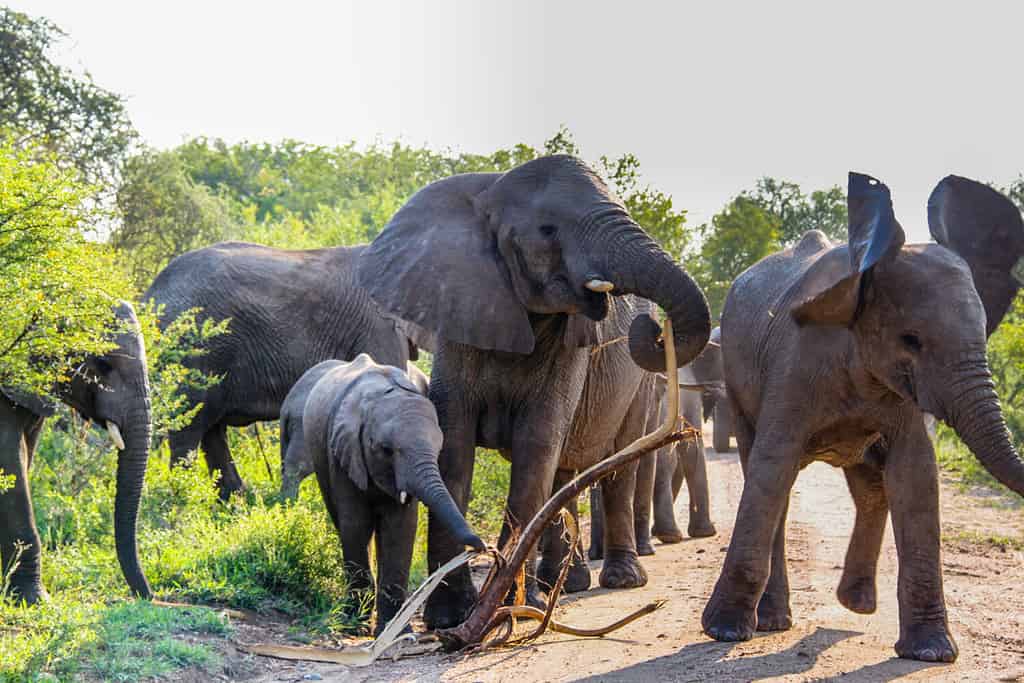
point(131, 471)
point(978, 420)
point(639, 266)
point(427, 485)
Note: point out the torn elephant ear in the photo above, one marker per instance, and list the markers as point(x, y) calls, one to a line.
point(984, 228)
point(875, 236)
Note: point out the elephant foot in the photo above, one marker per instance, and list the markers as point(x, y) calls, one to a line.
point(858, 595)
point(534, 597)
point(701, 529)
point(727, 622)
point(622, 570)
point(927, 643)
point(772, 616)
point(644, 547)
point(451, 603)
point(576, 581)
point(226, 487)
point(668, 535)
point(595, 552)
point(30, 592)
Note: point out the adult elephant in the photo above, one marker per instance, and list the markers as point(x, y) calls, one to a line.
point(833, 353)
point(111, 390)
point(513, 273)
point(289, 310)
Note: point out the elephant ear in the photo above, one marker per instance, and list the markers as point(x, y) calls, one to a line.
point(874, 237)
point(345, 441)
point(437, 265)
point(35, 404)
point(984, 228)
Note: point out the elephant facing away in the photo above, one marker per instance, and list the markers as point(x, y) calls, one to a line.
point(834, 353)
point(296, 463)
point(289, 310)
point(523, 277)
point(374, 439)
point(111, 390)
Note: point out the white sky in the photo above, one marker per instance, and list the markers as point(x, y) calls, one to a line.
point(710, 95)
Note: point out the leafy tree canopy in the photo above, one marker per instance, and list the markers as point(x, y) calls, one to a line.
point(48, 106)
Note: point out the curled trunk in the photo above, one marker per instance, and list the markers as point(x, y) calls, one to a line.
point(976, 416)
point(637, 265)
point(427, 485)
point(131, 471)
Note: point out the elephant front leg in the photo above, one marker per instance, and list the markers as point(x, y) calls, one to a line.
point(19, 539)
point(621, 568)
point(354, 520)
point(857, 590)
point(642, 501)
point(394, 540)
point(218, 459)
point(731, 613)
point(555, 549)
point(695, 471)
point(912, 487)
point(596, 550)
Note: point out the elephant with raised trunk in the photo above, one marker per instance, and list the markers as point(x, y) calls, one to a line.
point(373, 439)
point(111, 390)
point(289, 310)
point(524, 276)
point(833, 353)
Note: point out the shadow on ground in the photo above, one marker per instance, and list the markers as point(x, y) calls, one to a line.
point(709, 661)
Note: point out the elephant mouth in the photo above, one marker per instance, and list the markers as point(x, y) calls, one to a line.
point(595, 304)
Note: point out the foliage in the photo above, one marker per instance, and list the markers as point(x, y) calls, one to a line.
point(47, 106)
point(799, 213)
point(6, 481)
point(58, 288)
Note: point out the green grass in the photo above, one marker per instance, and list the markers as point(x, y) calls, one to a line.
point(955, 458)
point(1003, 543)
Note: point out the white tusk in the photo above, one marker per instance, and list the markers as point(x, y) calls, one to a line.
point(602, 286)
point(402, 497)
point(115, 435)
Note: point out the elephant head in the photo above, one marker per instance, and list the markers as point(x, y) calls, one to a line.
point(920, 314)
point(385, 431)
point(471, 257)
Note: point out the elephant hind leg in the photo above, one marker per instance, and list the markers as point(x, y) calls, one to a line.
point(857, 589)
point(218, 459)
point(622, 568)
point(554, 550)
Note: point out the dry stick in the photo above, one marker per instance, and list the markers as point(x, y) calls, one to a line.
point(481, 620)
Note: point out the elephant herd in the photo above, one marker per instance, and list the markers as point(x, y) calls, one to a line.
point(535, 290)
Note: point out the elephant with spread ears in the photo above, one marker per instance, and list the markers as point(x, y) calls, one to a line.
point(288, 311)
point(834, 353)
point(111, 390)
point(538, 285)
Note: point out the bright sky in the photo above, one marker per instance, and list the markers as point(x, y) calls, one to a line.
point(710, 95)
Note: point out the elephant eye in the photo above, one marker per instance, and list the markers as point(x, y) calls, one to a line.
point(548, 230)
point(911, 341)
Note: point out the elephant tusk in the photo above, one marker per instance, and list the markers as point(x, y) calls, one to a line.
point(402, 497)
point(602, 286)
point(115, 435)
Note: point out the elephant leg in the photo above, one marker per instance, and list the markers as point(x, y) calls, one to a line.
point(621, 568)
point(642, 500)
point(450, 604)
point(218, 459)
point(771, 469)
point(773, 611)
point(394, 540)
point(186, 441)
point(857, 590)
point(354, 521)
point(554, 549)
point(596, 550)
point(668, 479)
point(19, 538)
point(912, 488)
point(694, 468)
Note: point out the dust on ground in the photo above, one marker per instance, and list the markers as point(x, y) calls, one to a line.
point(983, 582)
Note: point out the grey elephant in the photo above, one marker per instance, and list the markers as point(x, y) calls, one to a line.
point(833, 353)
point(289, 310)
point(111, 390)
point(296, 463)
point(660, 475)
point(716, 404)
point(522, 277)
point(374, 440)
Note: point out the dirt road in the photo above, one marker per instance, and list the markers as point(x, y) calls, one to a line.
point(984, 590)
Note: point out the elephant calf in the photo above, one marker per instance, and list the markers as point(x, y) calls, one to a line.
point(374, 440)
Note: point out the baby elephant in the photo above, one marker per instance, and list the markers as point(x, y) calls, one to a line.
point(374, 441)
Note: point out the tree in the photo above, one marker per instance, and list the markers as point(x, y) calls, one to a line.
point(58, 288)
point(164, 214)
point(738, 236)
point(798, 213)
point(48, 107)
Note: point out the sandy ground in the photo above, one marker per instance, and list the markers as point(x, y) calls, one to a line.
point(983, 591)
